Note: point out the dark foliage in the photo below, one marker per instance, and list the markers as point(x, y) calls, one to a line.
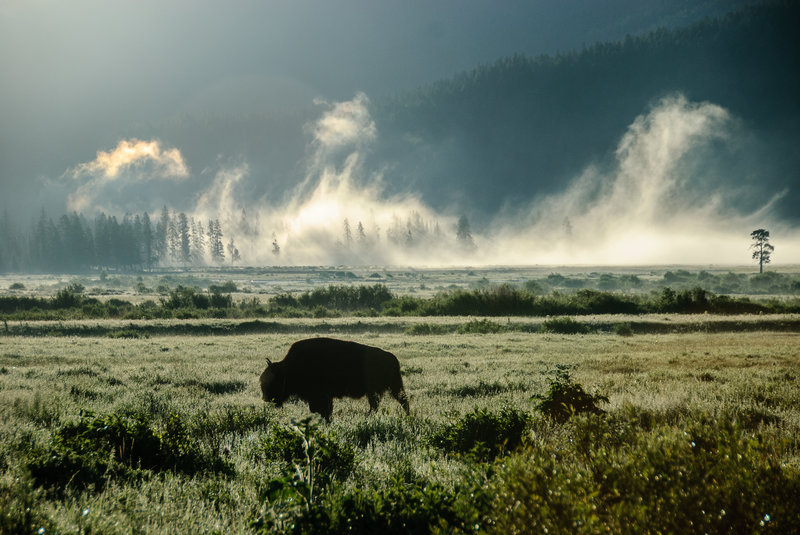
point(564, 326)
point(306, 446)
point(399, 509)
point(567, 398)
point(483, 434)
point(95, 449)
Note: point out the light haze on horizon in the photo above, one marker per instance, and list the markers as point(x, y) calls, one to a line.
point(79, 76)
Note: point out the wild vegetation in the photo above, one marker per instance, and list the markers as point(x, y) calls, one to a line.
point(680, 291)
point(510, 432)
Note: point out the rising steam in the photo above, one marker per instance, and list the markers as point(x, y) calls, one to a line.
point(648, 208)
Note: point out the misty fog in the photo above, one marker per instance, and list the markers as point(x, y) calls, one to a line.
point(413, 134)
point(646, 208)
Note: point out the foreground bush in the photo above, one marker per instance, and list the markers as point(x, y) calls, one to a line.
point(399, 509)
point(710, 477)
point(566, 398)
point(96, 449)
point(311, 459)
point(483, 434)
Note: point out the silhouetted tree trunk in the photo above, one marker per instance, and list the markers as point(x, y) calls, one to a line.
point(762, 249)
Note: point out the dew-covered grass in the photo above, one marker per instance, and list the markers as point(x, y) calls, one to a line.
point(706, 419)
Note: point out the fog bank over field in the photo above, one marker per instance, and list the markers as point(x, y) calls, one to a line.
point(657, 202)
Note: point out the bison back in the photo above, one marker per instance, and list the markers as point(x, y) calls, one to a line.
point(339, 368)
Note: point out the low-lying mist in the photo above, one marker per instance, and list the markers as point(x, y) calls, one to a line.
point(655, 203)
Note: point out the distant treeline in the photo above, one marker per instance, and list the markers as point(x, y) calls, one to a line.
point(376, 300)
point(74, 244)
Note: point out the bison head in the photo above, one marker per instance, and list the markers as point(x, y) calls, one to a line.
point(273, 384)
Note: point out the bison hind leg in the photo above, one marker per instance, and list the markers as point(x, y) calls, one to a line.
point(401, 396)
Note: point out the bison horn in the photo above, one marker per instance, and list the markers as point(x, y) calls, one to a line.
point(269, 362)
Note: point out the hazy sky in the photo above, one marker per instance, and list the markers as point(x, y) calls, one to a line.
point(78, 75)
point(86, 67)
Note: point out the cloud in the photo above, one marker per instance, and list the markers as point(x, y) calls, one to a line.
point(147, 157)
point(132, 161)
point(345, 124)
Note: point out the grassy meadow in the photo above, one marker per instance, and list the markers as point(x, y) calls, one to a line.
point(668, 395)
point(622, 423)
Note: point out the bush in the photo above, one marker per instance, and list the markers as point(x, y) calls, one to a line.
point(566, 398)
point(483, 434)
point(483, 326)
point(227, 287)
point(708, 477)
point(399, 509)
point(67, 298)
point(89, 452)
point(483, 389)
point(304, 449)
point(564, 326)
point(426, 329)
point(623, 329)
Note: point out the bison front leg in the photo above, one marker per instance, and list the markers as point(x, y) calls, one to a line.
point(323, 407)
point(374, 398)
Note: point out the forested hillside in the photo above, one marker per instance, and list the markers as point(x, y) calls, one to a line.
point(509, 131)
point(523, 126)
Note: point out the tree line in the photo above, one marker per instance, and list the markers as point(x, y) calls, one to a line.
point(72, 243)
point(185, 302)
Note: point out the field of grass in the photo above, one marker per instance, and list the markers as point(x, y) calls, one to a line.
point(166, 432)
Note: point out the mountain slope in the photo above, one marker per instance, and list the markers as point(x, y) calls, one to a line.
point(509, 131)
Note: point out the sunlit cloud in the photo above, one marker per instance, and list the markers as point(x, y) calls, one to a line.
point(345, 123)
point(147, 157)
point(104, 180)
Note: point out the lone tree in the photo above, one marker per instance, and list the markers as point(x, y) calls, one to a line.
point(762, 249)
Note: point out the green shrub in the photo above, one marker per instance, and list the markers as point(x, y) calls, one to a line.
point(96, 448)
point(483, 389)
point(566, 398)
point(399, 509)
point(483, 434)
point(128, 333)
point(623, 329)
point(217, 300)
point(564, 325)
point(426, 329)
point(708, 477)
point(483, 326)
point(227, 287)
point(304, 449)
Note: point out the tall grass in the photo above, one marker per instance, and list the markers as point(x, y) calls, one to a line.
point(697, 433)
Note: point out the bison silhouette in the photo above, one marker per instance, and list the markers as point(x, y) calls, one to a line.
point(317, 370)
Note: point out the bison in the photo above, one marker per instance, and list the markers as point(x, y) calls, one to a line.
point(317, 370)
